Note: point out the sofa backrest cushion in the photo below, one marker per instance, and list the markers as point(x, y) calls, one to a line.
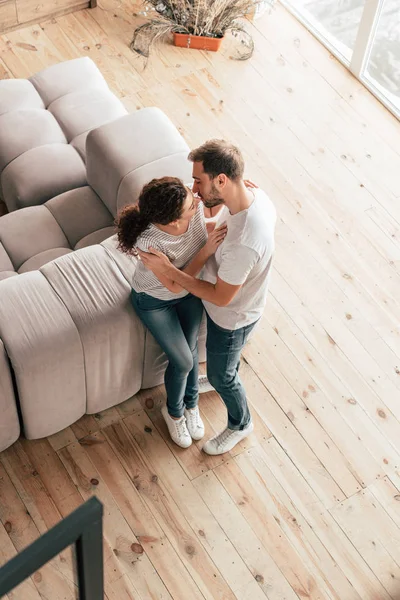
point(66, 77)
point(124, 155)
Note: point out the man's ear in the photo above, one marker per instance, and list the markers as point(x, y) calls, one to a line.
point(222, 180)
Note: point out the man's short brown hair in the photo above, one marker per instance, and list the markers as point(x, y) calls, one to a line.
point(219, 157)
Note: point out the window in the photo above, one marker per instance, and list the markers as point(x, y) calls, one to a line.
point(364, 35)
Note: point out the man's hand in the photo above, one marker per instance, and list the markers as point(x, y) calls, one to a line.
point(155, 261)
point(250, 184)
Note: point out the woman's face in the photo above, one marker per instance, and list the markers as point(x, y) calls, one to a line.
point(190, 206)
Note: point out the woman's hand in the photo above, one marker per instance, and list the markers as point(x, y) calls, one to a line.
point(210, 226)
point(215, 239)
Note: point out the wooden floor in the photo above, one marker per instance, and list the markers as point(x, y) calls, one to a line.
point(309, 506)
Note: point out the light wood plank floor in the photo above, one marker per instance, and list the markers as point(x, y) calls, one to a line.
point(309, 506)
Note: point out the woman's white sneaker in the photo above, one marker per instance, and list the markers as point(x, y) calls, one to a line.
point(194, 423)
point(226, 440)
point(177, 429)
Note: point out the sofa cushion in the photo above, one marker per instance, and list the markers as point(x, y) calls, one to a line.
point(37, 261)
point(66, 77)
point(18, 94)
point(41, 174)
point(81, 111)
point(79, 213)
point(5, 262)
point(126, 263)
point(97, 297)
point(9, 423)
point(28, 232)
point(137, 135)
point(176, 165)
point(6, 274)
point(22, 130)
point(46, 354)
point(95, 238)
point(79, 143)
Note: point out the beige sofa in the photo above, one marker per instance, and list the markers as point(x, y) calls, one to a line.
point(70, 342)
point(44, 123)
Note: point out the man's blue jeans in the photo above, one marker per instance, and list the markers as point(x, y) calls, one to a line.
point(175, 325)
point(224, 348)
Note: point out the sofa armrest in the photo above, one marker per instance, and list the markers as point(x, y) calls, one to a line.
point(9, 423)
point(45, 350)
point(97, 296)
point(135, 148)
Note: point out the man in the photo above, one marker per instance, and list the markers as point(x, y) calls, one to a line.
point(235, 280)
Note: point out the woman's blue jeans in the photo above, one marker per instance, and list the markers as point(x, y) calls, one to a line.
point(175, 325)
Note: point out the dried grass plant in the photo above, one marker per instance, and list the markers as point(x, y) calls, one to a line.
point(211, 18)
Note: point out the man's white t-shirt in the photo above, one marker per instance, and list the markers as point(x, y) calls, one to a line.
point(244, 258)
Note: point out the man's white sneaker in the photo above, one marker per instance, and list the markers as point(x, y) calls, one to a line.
point(177, 429)
point(194, 423)
point(226, 440)
point(205, 385)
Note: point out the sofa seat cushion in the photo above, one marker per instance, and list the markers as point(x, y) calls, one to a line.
point(22, 130)
point(95, 238)
point(79, 213)
point(97, 297)
point(35, 262)
point(29, 232)
point(6, 274)
point(67, 77)
point(18, 94)
point(41, 174)
point(81, 111)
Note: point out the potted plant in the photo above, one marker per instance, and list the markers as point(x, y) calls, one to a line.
point(200, 24)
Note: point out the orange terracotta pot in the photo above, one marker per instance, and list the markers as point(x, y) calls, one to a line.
point(198, 42)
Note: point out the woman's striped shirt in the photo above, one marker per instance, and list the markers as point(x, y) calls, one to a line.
point(180, 249)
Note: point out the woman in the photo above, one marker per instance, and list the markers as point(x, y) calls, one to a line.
point(169, 218)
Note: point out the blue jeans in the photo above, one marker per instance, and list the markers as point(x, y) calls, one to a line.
point(175, 325)
point(224, 347)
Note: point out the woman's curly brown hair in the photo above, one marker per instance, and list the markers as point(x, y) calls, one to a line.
point(161, 201)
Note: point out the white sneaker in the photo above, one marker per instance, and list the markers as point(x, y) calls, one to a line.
point(194, 423)
point(177, 429)
point(205, 385)
point(226, 440)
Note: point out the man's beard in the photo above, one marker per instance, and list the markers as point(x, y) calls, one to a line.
point(214, 199)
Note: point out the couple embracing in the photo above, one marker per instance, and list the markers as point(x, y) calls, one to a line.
point(209, 247)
